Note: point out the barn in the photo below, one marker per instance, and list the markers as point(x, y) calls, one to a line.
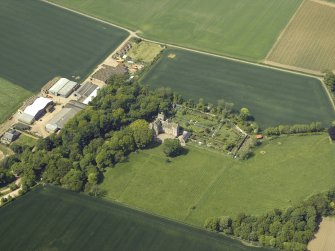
point(63, 87)
point(35, 110)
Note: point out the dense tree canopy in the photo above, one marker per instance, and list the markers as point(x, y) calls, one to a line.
point(112, 126)
point(291, 229)
point(172, 147)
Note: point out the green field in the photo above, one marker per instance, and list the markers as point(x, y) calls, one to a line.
point(50, 218)
point(238, 28)
point(39, 41)
point(201, 184)
point(11, 98)
point(273, 96)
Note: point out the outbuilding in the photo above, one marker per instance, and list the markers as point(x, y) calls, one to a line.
point(63, 87)
point(60, 119)
point(35, 110)
point(10, 136)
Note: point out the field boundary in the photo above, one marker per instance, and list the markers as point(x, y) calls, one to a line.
point(324, 3)
point(135, 35)
point(283, 31)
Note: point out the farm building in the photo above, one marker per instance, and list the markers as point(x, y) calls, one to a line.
point(63, 87)
point(91, 97)
point(60, 119)
point(35, 110)
point(331, 132)
point(10, 137)
point(85, 91)
point(106, 72)
point(45, 89)
point(75, 104)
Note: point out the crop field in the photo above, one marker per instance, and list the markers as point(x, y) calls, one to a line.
point(308, 42)
point(324, 239)
point(11, 97)
point(50, 218)
point(202, 183)
point(39, 41)
point(238, 28)
point(272, 96)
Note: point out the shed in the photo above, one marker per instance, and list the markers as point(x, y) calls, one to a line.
point(58, 122)
point(63, 87)
point(259, 136)
point(91, 96)
point(10, 136)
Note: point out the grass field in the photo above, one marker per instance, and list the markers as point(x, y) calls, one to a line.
point(308, 42)
point(239, 28)
point(273, 96)
point(11, 97)
point(54, 219)
point(39, 41)
point(202, 183)
point(145, 51)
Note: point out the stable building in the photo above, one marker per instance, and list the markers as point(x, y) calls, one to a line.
point(36, 110)
point(63, 87)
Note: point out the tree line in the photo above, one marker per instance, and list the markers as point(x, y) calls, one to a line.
point(294, 129)
point(289, 229)
point(112, 126)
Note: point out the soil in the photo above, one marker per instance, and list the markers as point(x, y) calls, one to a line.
point(325, 238)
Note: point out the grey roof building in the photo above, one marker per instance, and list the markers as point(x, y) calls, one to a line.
point(63, 87)
point(60, 119)
point(10, 136)
point(85, 90)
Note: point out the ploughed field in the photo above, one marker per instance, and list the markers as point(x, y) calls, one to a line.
point(308, 41)
point(50, 218)
point(203, 183)
point(39, 41)
point(238, 28)
point(272, 96)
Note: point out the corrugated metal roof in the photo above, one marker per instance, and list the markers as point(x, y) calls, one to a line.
point(67, 89)
point(58, 86)
point(60, 119)
point(91, 97)
point(26, 118)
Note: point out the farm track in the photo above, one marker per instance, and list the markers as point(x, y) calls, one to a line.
point(135, 35)
point(267, 65)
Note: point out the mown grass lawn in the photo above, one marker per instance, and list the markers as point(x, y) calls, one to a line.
point(239, 28)
point(50, 218)
point(272, 96)
point(11, 98)
point(202, 183)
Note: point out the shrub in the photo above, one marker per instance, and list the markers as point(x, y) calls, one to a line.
point(172, 147)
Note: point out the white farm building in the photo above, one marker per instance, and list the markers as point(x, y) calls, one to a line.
point(35, 110)
point(63, 87)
